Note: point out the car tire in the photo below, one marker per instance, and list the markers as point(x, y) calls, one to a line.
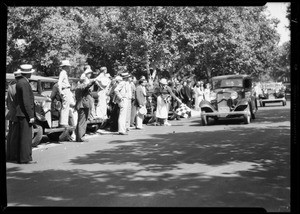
point(283, 103)
point(37, 137)
point(204, 119)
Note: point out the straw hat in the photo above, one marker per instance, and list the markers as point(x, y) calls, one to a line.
point(163, 81)
point(18, 73)
point(65, 63)
point(118, 78)
point(125, 75)
point(26, 69)
point(88, 70)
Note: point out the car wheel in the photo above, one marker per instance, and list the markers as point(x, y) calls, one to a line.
point(37, 136)
point(204, 119)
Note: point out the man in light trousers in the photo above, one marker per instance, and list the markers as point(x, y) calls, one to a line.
point(123, 98)
point(65, 92)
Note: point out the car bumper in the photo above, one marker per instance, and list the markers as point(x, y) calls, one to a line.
point(272, 100)
point(225, 114)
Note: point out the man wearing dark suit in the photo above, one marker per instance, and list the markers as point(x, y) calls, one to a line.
point(82, 95)
point(25, 113)
point(187, 95)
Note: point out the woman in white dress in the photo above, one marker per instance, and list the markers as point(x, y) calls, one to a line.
point(199, 94)
point(207, 92)
point(163, 95)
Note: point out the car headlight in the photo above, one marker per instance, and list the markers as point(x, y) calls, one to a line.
point(234, 95)
point(213, 96)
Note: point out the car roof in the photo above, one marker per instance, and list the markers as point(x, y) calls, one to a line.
point(11, 76)
point(231, 76)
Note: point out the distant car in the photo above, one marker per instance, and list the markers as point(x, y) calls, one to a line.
point(231, 96)
point(272, 92)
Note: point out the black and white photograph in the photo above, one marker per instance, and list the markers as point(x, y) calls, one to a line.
point(149, 106)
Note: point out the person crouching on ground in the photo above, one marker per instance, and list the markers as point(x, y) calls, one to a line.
point(163, 94)
point(83, 96)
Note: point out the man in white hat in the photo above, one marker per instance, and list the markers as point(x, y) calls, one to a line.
point(123, 98)
point(83, 107)
point(86, 78)
point(25, 113)
point(65, 92)
point(13, 129)
point(114, 115)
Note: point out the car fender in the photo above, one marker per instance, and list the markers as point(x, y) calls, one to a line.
point(206, 106)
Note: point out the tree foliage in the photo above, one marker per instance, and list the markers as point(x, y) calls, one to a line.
point(182, 42)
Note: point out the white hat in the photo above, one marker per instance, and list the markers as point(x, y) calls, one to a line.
point(26, 69)
point(118, 78)
point(103, 69)
point(88, 70)
point(163, 81)
point(65, 63)
point(18, 73)
point(125, 75)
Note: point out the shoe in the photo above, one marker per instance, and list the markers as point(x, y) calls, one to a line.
point(123, 133)
point(139, 128)
point(28, 162)
point(82, 140)
point(167, 124)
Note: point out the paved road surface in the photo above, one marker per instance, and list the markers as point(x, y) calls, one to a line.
point(221, 165)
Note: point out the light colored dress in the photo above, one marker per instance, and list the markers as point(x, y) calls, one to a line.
point(207, 94)
point(199, 96)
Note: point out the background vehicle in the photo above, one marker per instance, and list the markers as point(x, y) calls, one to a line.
point(42, 88)
point(272, 92)
point(231, 96)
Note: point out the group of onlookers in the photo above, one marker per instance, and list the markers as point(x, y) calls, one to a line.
point(120, 102)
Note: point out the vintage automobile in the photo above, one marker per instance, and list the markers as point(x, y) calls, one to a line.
point(231, 96)
point(272, 92)
point(42, 88)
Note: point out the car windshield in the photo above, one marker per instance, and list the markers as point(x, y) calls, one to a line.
point(227, 83)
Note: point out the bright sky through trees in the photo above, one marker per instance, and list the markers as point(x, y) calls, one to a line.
point(278, 10)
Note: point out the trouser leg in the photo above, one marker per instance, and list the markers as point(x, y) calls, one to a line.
point(83, 114)
point(25, 141)
point(64, 113)
point(139, 120)
point(122, 116)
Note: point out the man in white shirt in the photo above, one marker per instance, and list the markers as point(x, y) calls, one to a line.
point(123, 98)
point(65, 92)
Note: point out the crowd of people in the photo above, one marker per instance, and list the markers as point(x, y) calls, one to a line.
point(121, 102)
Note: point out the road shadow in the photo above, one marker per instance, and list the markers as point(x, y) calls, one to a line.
point(237, 167)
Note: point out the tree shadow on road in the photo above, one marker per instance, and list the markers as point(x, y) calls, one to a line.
point(236, 167)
